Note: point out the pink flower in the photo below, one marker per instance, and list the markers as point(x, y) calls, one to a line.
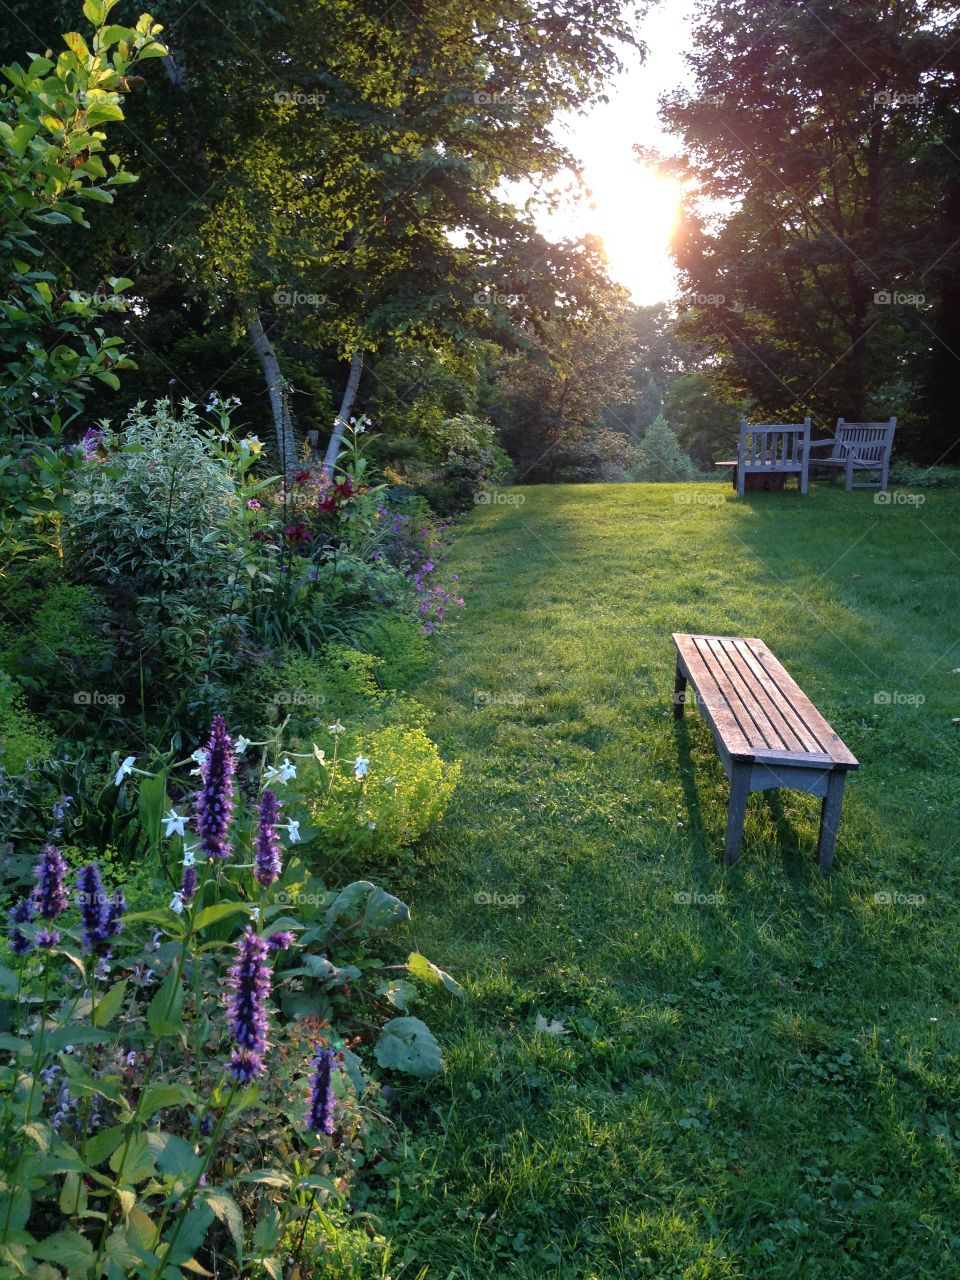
point(253, 505)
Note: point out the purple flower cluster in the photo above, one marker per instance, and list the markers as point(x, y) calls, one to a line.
point(268, 855)
point(51, 897)
point(188, 883)
point(320, 1115)
point(101, 916)
point(20, 913)
point(249, 981)
point(281, 941)
point(214, 803)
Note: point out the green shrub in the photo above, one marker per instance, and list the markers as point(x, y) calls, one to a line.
point(404, 652)
point(339, 681)
point(912, 476)
point(22, 736)
point(405, 792)
point(661, 458)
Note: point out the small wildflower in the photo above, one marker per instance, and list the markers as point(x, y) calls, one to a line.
point(253, 505)
point(176, 903)
point(241, 744)
point(124, 771)
point(281, 941)
point(361, 767)
point(336, 728)
point(174, 823)
point(292, 829)
point(282, 773)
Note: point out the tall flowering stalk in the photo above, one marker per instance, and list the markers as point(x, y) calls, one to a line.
point(51, 897)
point(214, 803)
point(101, 916)
point(320, 1115)
point(268, 856)
point(249, 981)
point(21, 913)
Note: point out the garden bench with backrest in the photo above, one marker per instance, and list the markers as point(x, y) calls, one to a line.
point(858, 447)
point(766, 455)
point(768, 732)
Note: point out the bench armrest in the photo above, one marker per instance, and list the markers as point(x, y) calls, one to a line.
point(816, 444)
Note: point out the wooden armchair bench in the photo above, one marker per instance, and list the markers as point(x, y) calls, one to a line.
point(768, 732)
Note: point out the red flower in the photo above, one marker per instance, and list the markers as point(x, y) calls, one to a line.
point(297, 532)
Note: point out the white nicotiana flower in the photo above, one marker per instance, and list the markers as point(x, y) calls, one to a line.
point(174, 823)
point(124, 771)
point(200, 756)
point(190, 856)
point(282, 773)
point(255, 913)
point(320, 755)
point(372, 826)
point(336, 728)
point(361, 767)
point(293, 830)
point(176, 903)
point(241, 744)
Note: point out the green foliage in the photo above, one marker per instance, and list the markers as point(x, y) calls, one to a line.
point(22, 736)
point(707, 428)
point(912, 476)
point(660, 456)
point(154, 527)
point(53, 148)
point(405, 793)
point(131, 1146)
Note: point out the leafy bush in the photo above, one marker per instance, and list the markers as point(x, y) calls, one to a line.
point(381, 789)
point(155, 526)
point(913, 476)
point(22, 736)
point(152, 1060)
point(404, 653)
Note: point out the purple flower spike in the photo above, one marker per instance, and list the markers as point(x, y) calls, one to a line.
point(21, 913)
point(188, 885)
point(320, 1115)
point(249, 980)
point(101, 915)
point(214, 803)
point(268, 853)
point(50, 897)
point(47, 937)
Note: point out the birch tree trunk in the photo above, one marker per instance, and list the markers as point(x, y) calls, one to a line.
point(282, 422)
point(346, 404)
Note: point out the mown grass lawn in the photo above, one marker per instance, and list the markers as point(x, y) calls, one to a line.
point(759, 1084)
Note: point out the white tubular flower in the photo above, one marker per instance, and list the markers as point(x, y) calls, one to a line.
point(173, 823)
point(125, 770)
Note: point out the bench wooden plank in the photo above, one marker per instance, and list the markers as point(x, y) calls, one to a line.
point(710, 702)
point(830, 740)
point(770, 731)
point(804, 738)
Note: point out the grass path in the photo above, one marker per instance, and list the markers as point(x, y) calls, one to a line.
point(736, 1074)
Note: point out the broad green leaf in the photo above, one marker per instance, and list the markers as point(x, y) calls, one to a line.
point(427, 971)
point(95, 11)
point(228, 1211)
point(173, 1155)
point(133, 1163)
point(109, 1005)
point(165, 1011)
point(69, 1250)
point(103, 1144)
point(219, 911)
point(191, 1234)
point(407, 1044)
point(159, 1096)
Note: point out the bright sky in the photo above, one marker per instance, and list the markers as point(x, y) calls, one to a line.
point(632, 209)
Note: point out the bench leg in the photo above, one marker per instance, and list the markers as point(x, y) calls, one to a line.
point(830, 818)
point(736, 811)
point(679, 691)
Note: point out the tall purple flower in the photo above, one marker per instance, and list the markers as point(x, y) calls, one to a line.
point(249, 981)
point(320, 1115)
point(214, 803)
point(50, 897)
point(268, 851)
point(188, 883)
point(281, 941)
point(101, 915)
point(20, 913)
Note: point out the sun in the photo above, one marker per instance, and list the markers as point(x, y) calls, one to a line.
point(634, 212)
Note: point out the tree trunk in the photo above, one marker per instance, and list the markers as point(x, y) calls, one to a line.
point(346, 404)
point(282, 422)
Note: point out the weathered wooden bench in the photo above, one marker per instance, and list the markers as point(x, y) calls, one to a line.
point(767, 455)
point(768, 732)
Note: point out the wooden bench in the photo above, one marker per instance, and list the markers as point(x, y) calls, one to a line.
point(767, 455)
point(768, 732)
point(858, 447)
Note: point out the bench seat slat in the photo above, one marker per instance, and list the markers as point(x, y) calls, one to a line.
point(755, 707)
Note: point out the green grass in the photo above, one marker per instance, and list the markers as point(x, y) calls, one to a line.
point(761, 1085)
